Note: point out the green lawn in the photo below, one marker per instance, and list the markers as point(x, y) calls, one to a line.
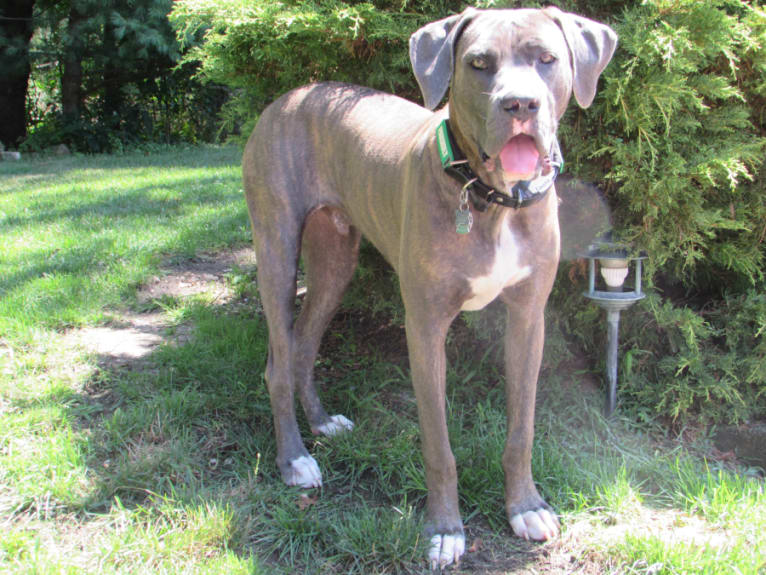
point(163, 463)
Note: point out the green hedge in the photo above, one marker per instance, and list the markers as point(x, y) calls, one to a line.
point(264, 48)
point(675, 139)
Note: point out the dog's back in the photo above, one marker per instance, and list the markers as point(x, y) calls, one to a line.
point(320, 144)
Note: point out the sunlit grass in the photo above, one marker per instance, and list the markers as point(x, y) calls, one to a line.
point(82, 233)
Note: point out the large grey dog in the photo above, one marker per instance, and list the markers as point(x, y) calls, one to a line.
point(464, 211)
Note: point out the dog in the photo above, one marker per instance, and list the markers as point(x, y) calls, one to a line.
point(460, 201)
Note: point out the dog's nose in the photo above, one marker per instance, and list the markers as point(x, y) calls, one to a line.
point(521, 108)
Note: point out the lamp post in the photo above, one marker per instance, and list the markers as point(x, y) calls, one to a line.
point(614, 262)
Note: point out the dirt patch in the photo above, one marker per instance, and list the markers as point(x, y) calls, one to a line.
point(491, 552)
point(203, 274)
point(745, 442)
point(585, 545)
point(131, 337)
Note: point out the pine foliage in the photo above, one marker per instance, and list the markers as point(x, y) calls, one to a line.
point(677, 139)
point(266, 48)
point(130, 88)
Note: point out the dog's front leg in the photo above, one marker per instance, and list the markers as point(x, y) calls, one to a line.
point(426, 337)
point(529, 515)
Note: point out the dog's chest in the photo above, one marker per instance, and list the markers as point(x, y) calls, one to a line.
point(506, 270)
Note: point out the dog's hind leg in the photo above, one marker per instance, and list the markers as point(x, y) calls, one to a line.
point(330, 251)
point(277, 250)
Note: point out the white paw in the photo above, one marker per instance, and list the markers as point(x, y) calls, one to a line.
point(337, 424)
point(304, 472)
point(445, 550)
point(539, 525)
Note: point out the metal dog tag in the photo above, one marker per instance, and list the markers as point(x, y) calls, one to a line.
point(463, 221)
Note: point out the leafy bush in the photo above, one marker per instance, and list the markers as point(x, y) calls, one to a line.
point(676, 138)
point(264, 48)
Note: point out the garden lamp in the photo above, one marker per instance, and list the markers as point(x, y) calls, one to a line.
point(614, 261)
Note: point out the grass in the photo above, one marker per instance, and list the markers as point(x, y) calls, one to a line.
point(78, 235)
point(164, 464)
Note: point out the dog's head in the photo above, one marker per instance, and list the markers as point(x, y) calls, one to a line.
point(512, 74)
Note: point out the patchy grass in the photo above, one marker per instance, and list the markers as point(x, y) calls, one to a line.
point(135, 431)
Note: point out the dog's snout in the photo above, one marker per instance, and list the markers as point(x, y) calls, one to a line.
point(521, 108)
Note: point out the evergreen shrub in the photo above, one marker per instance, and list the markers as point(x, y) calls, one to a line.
point(264, 49)
point(676, 140)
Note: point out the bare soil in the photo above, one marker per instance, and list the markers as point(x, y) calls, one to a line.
point(131, 337)
point(203, 274)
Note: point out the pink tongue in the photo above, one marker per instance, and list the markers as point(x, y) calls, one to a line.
point(519, 155)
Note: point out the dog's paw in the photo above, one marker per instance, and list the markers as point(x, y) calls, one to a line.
point(538, 525)
point(445, 550)
point(304, 472)
point(337, 424)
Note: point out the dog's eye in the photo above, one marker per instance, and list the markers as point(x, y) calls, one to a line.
point(547, 58)
point(479, 63)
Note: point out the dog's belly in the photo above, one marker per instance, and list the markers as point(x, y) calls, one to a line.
point(506, 271)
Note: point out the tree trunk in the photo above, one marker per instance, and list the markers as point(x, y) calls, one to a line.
point(71, 75)
point(112, 79)
point(16, 29)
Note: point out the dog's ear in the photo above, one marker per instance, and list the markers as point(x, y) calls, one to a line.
point(432, 52)
point(591, 46)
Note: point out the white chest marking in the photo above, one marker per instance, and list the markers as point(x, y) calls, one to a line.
point(505, 271)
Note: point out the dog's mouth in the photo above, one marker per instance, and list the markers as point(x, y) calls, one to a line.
point(519, 159)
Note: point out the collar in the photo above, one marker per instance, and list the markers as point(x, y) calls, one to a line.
point(523, 193)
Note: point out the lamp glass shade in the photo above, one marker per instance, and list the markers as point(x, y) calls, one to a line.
point(614, 271)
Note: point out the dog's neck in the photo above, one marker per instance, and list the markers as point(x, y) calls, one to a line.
point(475, 173)
point(470, 152)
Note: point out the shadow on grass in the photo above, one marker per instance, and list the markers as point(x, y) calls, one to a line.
point(170, 157)
point(192, 423)
point(99, 254)
point(68, 261)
